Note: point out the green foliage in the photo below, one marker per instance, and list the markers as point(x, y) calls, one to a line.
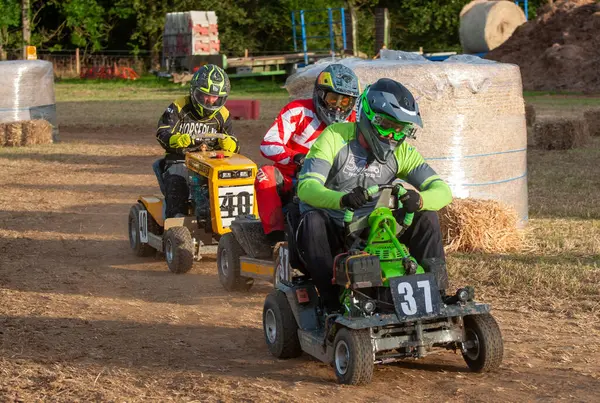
point(261, 26)
point(9, 20)
point(86, 19)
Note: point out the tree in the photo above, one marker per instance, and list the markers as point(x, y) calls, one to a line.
point(25, 10)
point(9, 21)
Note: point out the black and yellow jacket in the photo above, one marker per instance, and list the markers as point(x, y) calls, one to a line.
point(181, 118)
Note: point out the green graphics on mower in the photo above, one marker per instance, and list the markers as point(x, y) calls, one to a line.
point(392, 305)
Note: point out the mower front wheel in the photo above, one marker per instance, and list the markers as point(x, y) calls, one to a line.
point(484, 347)
point(229, 252)
point(353, 356)
point(179, 249)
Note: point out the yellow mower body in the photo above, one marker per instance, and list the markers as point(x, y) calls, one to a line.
point(230, 185)
point(221, 189)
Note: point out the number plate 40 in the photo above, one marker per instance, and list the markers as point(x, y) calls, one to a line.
point(415, 297)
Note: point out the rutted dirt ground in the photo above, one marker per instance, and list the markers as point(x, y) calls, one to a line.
point(81, 318)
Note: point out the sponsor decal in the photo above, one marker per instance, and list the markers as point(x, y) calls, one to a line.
point(358, 165)
point(196, 128)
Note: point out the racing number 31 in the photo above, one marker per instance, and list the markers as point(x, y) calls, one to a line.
point(409, 306)
point(236, 204)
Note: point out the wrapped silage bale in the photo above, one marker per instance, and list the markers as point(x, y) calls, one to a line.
point(473, 112)
point(27, 92)
point(485, 25)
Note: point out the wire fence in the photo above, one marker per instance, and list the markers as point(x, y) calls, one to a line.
point(67, 64)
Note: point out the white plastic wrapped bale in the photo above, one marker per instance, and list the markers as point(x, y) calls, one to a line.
point(485, 25)
point(27, 92)
point(473, 113)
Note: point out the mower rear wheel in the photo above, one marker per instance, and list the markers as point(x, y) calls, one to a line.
point(353, 356)
point(280, 327)
point(484, 345)
point(179, 249)
point(229, 252)
point(139, 248)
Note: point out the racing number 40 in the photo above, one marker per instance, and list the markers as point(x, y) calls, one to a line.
point(409, 306)
point(236, 204)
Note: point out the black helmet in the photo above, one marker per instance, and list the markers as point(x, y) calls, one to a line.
point(209, 89)
point(336, 90)
point(387, 108)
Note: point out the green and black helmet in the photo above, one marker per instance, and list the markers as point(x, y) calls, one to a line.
point(209, 89)
point(387, 114)
point(336, 90)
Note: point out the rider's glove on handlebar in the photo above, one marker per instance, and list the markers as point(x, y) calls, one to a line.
point(357, 198)
point(179, 140)
point(411, 201)
point(229, 144)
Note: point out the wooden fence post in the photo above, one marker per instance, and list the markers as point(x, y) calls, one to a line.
point(77, 65)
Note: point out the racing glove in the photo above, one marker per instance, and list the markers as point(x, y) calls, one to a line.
point(179, 140)
point(299, 160)
point(229, 144)
point(357, 198)
point(411, 201)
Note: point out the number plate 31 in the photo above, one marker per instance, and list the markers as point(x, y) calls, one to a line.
point(415, 297)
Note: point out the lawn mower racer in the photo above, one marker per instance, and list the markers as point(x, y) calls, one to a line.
point(375, 303)
point(352, 157)
point(205, 182)
point(287, 142)
point(183, 125)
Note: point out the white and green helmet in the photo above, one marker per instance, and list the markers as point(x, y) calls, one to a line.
point(209, 90)
point(387, 114)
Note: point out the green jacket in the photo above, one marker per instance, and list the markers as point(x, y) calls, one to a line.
point(337, 163)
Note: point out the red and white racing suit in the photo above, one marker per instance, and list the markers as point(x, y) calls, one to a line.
point(295, 130)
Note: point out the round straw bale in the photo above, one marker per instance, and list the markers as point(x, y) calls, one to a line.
point(592, 119)
point(13, 134)
point(529, 114)
point(488, 24)
point(560, 134)
point(473, 225)
point(37, 132)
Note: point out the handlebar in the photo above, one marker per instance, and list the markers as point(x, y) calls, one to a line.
point(198, 141)
point(373, 190)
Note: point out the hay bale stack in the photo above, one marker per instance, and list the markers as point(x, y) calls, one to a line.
point(472, 225)
point(560, 134)
point(592, 121)
point(36, 132)
point(25, 133)
point(27, 92)
point(13, 135)
point(485, 25)
point(529, 115)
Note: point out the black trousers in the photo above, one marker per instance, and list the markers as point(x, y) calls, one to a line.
point(319, 240)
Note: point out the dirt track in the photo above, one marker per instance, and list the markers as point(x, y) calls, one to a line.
point(83, 319)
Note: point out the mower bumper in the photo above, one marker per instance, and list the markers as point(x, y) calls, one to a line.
point(448, 311)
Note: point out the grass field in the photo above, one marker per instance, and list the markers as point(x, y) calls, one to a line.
point(82, 319)
point(152, 88)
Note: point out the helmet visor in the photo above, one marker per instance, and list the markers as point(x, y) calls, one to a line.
point(208, 101)
point(385, 126)
point(334, 101)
